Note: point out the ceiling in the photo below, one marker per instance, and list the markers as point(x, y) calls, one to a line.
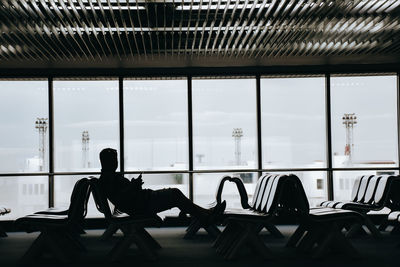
point(183, 33)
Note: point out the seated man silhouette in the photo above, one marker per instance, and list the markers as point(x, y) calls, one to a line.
point(128, 195)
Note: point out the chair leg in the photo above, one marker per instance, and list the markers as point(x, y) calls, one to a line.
point(372, 228)
point(121, 248)
point(213, 231)
point(109, 232)
point(149, 238)
point(237, 245)
point(335, 239)
point(192, 229)
point(55, 244)
point(383, 226)
point(75, 241)
point(229, 230)
point(259, 247)
point(249, 236)
point(35, 249)
point(230, 238)
point(323, 247)
point(296, 236)
point(273, 230)
point(310, 238)
point(355, 230)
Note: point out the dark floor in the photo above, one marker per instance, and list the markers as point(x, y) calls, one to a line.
point(198, 252)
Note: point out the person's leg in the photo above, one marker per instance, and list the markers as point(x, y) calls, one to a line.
point(169, 198)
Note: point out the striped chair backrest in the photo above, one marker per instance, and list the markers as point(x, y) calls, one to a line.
point(258, 191)
point(355, 189)
point(79, 198)
point(363, 188)
point(382, 189)
point(274, 194)
point(369, 194)
point(267, 192)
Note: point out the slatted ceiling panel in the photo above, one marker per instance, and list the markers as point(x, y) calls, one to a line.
point(69, 30)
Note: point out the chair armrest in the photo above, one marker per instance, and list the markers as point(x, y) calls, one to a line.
point(241, 189)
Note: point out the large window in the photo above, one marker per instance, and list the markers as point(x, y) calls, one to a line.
point(217, 119)
point(156, 133)
point(293, 122)
point(86, 120)
point(24, 126)
point(224, 123)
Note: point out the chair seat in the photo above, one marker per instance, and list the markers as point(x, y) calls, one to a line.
point(124, 218)
point(327, 214)
point(55, 211)
point(394, 216)
point(43, 218)
point(245, 213)
point(355, 206)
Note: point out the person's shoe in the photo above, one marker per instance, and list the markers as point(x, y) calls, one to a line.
point(217, 211)
point(219, 208)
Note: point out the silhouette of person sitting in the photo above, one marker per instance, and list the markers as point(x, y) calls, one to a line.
point(128, 195)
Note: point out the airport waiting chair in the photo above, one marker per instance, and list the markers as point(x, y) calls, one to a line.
point(3, 211)
point(369, 193)
point(132, 227)
point(58, 232)
point(212, 228)
point(64, 211)
point(283, 195)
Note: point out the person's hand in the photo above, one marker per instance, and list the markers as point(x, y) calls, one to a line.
point(137, 182)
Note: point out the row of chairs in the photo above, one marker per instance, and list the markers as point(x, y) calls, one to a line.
point(60, 229)
point(370, 193)
point(320, 229)
point(283, 195)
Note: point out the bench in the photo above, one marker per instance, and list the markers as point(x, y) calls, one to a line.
point(132, 227)
point(58, 232)
point(283, 195)
point(369, 193)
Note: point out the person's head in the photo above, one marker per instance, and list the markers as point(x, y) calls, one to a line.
point(109, 159)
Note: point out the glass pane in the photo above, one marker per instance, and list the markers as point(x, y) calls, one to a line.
point(165, 180)
point(364, 121)
point(343, 181)
point(156, 133)
point(63, 186)
point(205, 186)
point(85, 121)
point(224, 124)
point(23, 195)
point(23, 143)
point(293, 122)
